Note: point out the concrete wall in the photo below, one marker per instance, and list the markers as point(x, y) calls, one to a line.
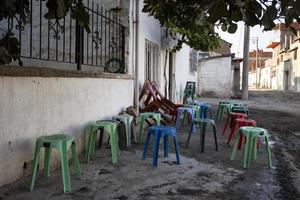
point(215, 77)
point(36, 106)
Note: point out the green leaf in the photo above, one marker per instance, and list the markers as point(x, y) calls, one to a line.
point(232, 28)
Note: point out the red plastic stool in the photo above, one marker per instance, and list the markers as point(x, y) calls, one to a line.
point(230, 119)
point(239, 122)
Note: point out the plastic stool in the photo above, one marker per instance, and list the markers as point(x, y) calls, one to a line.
point(240, 122)
point(203, 122)
point(62, 143)
point(221, 108)
point(127, 120)
point(182, 110)
point(252, 133)
point(230, 119)
point(110, 128)
point(158, 132)
point(240, 109)
point(204, 108)
point(143, 117)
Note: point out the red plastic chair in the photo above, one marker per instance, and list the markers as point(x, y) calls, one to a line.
point(230, 119)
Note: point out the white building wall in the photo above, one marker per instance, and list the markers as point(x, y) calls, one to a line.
point(148, 28)
point(215, 77)
point(182, 72)
point(34, 106)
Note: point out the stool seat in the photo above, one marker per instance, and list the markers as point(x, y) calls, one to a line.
point(252, 133)
point(143, 117)
point(158, 132)
point(203, 122)
point(111, 128)
point(62, 143)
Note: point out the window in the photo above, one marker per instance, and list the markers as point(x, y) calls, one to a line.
point(295, 54)
point(193, 61)
point(152, 62)
point(273, 74)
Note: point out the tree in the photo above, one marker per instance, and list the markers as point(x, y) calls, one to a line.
point(195, 20)
point(19, 10)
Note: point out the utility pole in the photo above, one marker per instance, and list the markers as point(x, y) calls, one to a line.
point(257, 74)
point(245, 63)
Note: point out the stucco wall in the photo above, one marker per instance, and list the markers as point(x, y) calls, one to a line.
point(215, 77)
point(35, 106)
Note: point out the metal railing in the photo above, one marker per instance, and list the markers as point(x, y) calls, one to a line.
point(65, 41)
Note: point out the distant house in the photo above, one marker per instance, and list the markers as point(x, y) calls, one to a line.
point(259, 73)
point(284, 65)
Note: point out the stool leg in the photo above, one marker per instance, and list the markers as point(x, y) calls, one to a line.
point(268, 152)
point(254, 150)
point(166, 146)
point(128, 134)
point(203, 127)
point(185, 119)
point(211, 113)
point(218, 114)
point(89, 145)
point(47, 161)
point(189, 136)
point(215, 136)
point(156, 148)
point(65, 166)
point(232, 132)
point(75, 159)
point(113, 146)
point(140, 134)
point(225, 125)
point(146, 144)
point(35, 164)
point(246, 152)
point(221, 113)
point(176, 149)
point(251, 150)
point(235, 142)
point(178, 120)
point(93, 143)
point(158, 118)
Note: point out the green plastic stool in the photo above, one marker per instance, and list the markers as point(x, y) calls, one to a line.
point(62, 143)
point(223, 105)
point(111, 129)
point(143, 117)
point(127, 120)
point(252, 133)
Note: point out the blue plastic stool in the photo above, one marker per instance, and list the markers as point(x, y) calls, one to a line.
point(158, 132)
point(182, 110)
point(204, 109)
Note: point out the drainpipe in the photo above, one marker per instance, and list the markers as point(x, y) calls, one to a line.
point(136, 33)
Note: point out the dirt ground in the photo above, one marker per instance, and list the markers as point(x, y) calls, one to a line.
point(208, 175)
